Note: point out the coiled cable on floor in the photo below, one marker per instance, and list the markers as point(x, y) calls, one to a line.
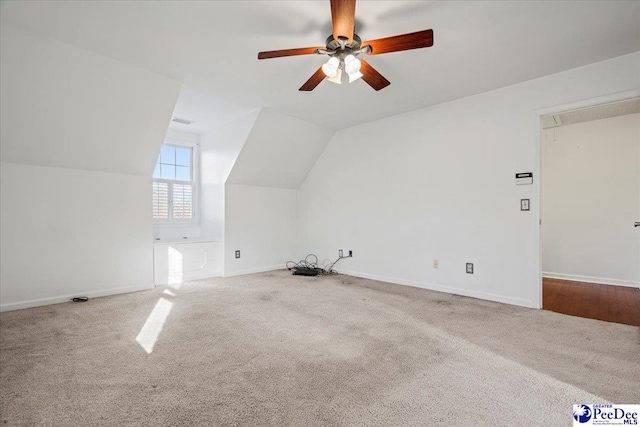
point(310, 262)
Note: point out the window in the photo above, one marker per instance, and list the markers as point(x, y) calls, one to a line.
point(174, 184)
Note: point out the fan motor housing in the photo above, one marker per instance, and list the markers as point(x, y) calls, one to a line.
point(342, 47)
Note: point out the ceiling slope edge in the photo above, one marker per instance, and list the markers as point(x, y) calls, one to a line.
point(67, 107)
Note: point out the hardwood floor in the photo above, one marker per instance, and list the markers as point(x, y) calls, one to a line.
point(619, 304)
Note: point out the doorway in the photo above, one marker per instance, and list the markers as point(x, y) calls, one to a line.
point(589, 204)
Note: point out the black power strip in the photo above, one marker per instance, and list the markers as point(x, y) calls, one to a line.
point(302, 271)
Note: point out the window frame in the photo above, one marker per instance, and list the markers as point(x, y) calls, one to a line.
point(195, 182)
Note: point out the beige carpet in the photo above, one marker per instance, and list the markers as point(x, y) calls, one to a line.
point(276, 349)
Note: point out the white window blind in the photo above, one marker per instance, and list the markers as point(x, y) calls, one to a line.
point(160, 200)
point(182, 201)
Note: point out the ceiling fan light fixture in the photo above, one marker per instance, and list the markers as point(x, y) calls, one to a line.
point(330, 69)
point(354, 76)
point(351, 64)
point(337, 78)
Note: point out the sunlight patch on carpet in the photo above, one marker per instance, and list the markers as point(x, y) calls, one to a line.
point(153, 326)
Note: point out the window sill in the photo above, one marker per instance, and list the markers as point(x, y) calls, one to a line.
point(176, 224)
point(172, 241)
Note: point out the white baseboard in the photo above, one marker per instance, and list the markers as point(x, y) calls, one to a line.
point(474, 294)
point(67, 298)
point(255, 270)
point(589, 279)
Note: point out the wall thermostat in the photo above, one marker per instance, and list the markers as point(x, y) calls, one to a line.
point(524, 178)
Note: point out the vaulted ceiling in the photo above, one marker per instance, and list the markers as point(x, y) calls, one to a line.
point(212, 47)
point(279, 151)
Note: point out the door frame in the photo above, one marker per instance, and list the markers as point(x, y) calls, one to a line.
point(537, 186)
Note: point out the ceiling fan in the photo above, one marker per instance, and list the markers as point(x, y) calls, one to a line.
point(343, 46)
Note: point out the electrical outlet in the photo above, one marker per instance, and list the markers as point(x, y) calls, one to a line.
point(469, 268)
point(237, 254)
point(350, 252)
point(436, 263)
point(340, 253)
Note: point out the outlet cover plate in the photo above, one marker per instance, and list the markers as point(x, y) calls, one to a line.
point(469, 268)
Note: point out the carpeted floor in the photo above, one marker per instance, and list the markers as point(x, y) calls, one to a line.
point(276, 349)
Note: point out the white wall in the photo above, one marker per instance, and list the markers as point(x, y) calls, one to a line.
point(79, 139)
point(219, 151)
point(261, 223)
point(261, 189)
point(68, 232)
point(591, 198)
point(438, 183)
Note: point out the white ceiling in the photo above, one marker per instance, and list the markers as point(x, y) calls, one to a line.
point(205, 111)
point(212, 47)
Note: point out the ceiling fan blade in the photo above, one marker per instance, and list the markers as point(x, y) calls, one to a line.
point(288, 52)
point(372, 77)
point(313, 81)
point(343, 17)
point(416, 40)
